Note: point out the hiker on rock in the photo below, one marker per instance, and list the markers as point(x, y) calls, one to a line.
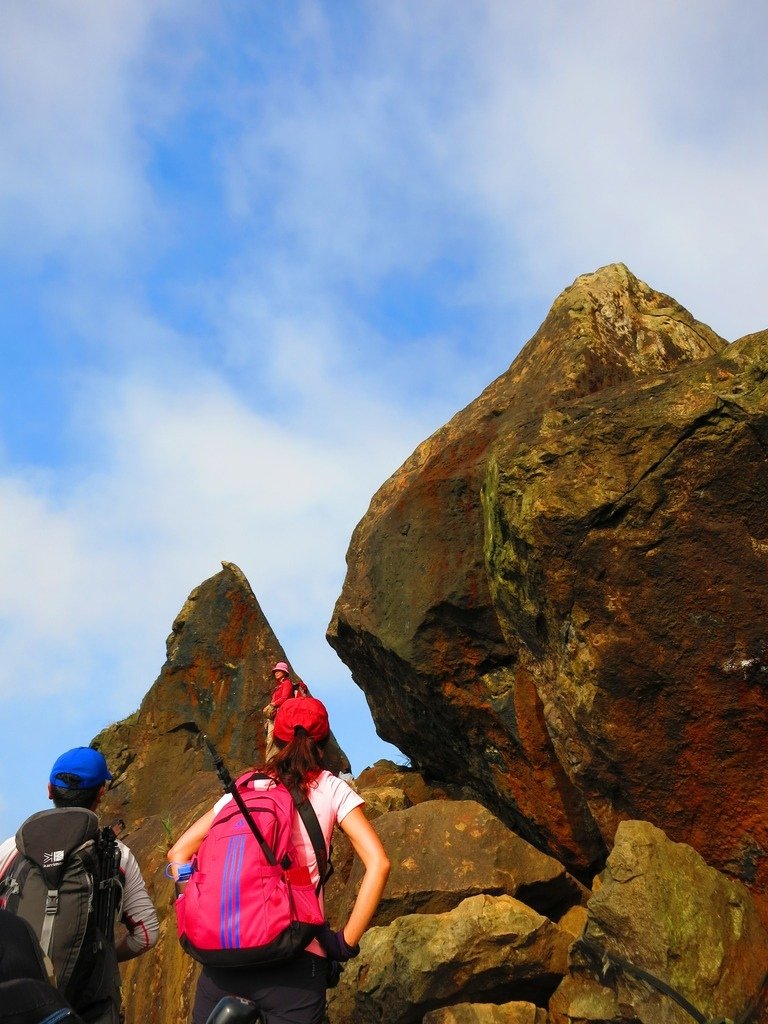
point(71, 881)
point(285, 689)
point(292, 990)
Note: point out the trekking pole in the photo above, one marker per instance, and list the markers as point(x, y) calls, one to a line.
point(230, 787)
point(218, 764)
point(107, 901)
point(303, 806)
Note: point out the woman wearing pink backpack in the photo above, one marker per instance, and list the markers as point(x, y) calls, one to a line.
point(293, 991)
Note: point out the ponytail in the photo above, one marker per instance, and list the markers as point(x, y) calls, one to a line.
point(298, 763)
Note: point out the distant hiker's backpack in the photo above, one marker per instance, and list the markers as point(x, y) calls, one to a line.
point(54, 885)
point(248, 901)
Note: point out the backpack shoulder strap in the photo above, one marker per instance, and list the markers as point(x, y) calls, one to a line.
point(242, 780)
point(311, 823)
point(307, 814)
point(13, 880)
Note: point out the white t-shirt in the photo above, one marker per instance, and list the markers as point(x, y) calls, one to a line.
point(332, 799)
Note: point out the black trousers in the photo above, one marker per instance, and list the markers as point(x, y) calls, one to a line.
point(289, 993)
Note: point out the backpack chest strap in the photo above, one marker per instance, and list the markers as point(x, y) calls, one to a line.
point(51, 909)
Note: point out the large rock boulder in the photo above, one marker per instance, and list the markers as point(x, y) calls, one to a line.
point(215, 680)
point(492, 947)
point(401, 785)
point(559, 597)
point(488, 1013)
point(661, 909)
point(443, 851)
point(627, 542)
point(385, 787)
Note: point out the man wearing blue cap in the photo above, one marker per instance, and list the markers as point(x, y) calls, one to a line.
point(50, 841)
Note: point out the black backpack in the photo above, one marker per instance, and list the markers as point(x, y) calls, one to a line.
point(54, 884)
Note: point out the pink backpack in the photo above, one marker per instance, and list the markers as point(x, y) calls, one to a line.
point(248, 901)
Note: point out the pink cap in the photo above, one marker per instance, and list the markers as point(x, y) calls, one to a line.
point(306, 713)
point(281, 667)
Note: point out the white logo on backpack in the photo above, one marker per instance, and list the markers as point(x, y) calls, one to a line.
point(52, 857)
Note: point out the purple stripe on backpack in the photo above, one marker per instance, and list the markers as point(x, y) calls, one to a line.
point(230, 893)
point(237, 879)
point(225, 897)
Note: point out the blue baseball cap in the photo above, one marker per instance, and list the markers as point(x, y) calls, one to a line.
point(83, 764)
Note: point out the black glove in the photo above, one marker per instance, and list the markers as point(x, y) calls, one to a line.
point(335, 945)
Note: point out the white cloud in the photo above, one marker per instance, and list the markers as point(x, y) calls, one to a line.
point(75, 118)
point(593, 151)
point(69, 162)
point(342, 152)
point(38, 544)
point(525, 145)
point(188, 475)
point(538, 143)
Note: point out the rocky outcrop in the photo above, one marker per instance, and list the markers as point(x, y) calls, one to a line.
point(639, 553)
point(403, 786)
point(490, 947)
point(554, 608)
point(385, 786)
point(488, 1013)
point(443, 851)
point(564, 587)
point(215, 680)
point(660, 908)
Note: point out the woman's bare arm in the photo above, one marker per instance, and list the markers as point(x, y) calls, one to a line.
point(187, 845)
point(368, 848)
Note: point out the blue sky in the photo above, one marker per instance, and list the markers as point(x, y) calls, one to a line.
point(252, 253)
